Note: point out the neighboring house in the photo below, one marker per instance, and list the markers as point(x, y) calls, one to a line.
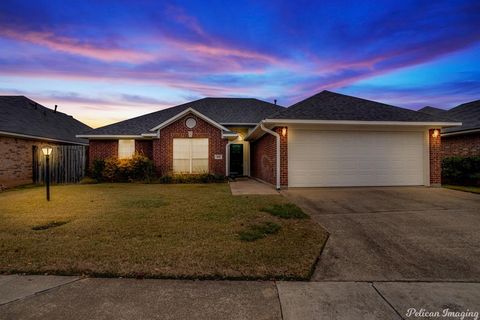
point(329, 139)
point(463, 140)
point(25, 125)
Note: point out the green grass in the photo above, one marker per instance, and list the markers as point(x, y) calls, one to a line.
point(259, 231)
point(463, 188)
point(286, 211)
point(152, 230)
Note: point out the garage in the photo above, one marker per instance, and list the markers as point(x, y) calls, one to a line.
point(336, 158)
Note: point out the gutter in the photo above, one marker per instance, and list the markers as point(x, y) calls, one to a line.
point(26, 136)
point(456, 133)
point(277, 136)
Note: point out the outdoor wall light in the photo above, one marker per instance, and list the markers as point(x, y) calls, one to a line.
point(240, 138)
point(435, 133)
point(284, 131)
point(47, 151)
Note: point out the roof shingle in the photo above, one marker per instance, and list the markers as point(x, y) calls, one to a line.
point(467, 113)
point(221, 110)
point(328, 105)
point(20, 115)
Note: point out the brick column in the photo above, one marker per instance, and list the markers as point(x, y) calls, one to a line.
point(283, 156)
point(435, 153)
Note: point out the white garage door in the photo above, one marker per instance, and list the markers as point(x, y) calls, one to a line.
point(354, 158)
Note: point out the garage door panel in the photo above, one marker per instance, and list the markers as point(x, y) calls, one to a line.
point(355, 158)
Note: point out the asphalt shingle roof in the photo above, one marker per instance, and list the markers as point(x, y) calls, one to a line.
point(433, 111)
point(20, 115)
point(328, 105)
point(221, 110)
point(467, 113)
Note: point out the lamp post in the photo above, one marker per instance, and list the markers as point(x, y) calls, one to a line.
point(47, 151)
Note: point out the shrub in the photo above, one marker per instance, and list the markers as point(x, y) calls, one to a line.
point(286, 211)
point(259, 231)
point(463, 171)
point(96, 172)
point(137, 168)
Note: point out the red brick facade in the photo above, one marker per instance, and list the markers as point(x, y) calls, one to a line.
point(263, 157)
point(161, 150)
point(435, 152)
point(102, 149)
point(16, 160)
point(163, 147)
point(144, 147)
point(465, 145)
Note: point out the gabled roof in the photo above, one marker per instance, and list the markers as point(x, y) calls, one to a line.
point(328, 105)
point(468, 114)
point(21, 116)
point(225, 111)
point(433, 111)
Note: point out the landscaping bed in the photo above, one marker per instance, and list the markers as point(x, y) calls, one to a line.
point(197, 231)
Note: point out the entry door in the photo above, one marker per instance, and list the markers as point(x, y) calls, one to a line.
point(236, 159)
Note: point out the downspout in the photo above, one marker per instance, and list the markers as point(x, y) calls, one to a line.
point(277, 136)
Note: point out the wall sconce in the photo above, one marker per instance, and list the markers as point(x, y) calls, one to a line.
point(435, 133)
point(240, 138)
point(284, 131)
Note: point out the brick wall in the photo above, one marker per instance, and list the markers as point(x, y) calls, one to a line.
point(163, 147)
point(263, 158)
point(465, 145)
point(435, 158)
point(102, 149)
point(16, 160)
point(144, 147)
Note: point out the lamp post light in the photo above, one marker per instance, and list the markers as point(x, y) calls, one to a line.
point(47, 151)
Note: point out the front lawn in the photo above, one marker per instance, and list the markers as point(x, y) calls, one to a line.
point(463, 188)
point(141, 230)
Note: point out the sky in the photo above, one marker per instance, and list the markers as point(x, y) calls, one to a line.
point(106, 61)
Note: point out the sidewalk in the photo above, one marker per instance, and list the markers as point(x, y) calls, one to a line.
point(54, 297)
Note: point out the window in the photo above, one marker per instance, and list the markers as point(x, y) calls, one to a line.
point(190, 155)
point(126, 148)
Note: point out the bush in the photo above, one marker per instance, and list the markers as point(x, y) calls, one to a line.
point(96, 171)
point(138, 168)
point(464, 171)
point(192, 178)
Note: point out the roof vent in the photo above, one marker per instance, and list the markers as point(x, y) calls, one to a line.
point(275, 101)
point(55, 109)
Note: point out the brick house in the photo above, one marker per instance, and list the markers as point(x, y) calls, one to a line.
point(329, 139)
point(25, 125)
point(464, 140)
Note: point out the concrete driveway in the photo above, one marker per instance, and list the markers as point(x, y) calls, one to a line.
point(395, 233)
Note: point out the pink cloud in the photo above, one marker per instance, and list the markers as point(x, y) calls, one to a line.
point(74, 46)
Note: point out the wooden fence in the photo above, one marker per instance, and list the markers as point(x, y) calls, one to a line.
point(67, 164)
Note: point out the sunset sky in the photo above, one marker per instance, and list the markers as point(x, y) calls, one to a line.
point(105, 61)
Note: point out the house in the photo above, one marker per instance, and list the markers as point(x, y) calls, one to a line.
point(329, 139)
point(26, 125)
point(463, 140)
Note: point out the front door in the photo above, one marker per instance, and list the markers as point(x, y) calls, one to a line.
point(236, 160)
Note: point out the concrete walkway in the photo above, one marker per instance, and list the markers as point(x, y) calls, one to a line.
point(245, 186)
point(48, 297)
